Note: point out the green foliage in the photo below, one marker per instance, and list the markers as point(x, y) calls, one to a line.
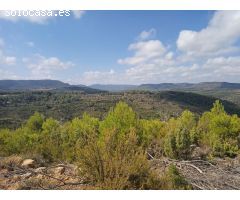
point(152, 131)
point(220, 131)
point(215, 129)
point(113, 163)
point(35, 122)
point(121, 118)
point(111, 152)
point(218, 108)
point(17, 106)
point(76, 133)
point(179, 136)
point(5, 138)
point(50, 140)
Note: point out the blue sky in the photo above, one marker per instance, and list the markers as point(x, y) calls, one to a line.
point(122, 47)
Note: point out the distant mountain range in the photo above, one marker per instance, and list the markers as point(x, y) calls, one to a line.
point(19, 85)
point(6, 85)
point(114, 88)
point(169, 86)
point(31, 84)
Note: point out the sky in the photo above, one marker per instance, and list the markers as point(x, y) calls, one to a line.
point(122, 47)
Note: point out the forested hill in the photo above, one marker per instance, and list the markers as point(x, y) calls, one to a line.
point(6, 85)
point(171, 86)
point(114, 88)
point(31, 84)
point(17, 107)
point(190, 86)
point(196, 102)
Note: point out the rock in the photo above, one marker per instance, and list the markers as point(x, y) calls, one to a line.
point(40, 169)
point(59, 170)
point(28, 163)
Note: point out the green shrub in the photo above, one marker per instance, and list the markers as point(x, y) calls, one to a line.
point(220, 131)
point(114, 162)
point(178, 139)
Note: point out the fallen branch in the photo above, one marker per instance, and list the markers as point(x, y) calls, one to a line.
point(195, 167)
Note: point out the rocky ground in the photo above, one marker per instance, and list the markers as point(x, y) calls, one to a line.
point(18, 173)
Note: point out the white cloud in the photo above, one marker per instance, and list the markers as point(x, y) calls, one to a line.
point(7, 60)
point(78, 13)
point(217, 38)
point(143, 52)
point(42, 67)
point(145, 35)
point(205, 55)
point(224, 66)
point(103, 77)
point(152, 62)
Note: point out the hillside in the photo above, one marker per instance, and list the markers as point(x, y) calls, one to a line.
point(114, 88)
point(223, 90)
point(16, 107)
point(30, 84)
point(121, 151)
point(41, 85)
point(190, 86)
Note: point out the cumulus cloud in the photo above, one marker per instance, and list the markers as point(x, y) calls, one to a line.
point(205, 55)
point(211, 54)
point(103, 77)
point(217, 38)
point(143, 52)
point(42, 67)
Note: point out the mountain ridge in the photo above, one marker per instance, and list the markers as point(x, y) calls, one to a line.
point(46, 84)
point(169, 86)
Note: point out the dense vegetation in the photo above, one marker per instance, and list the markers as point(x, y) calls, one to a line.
point(17, 107)
point(112, 152)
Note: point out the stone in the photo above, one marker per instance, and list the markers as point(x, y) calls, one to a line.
point(28, 163)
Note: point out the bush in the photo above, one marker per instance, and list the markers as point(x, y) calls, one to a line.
point(50, 141)
point(178, 139)
point(76, 133)
point(220, 131)
point(114, 162)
